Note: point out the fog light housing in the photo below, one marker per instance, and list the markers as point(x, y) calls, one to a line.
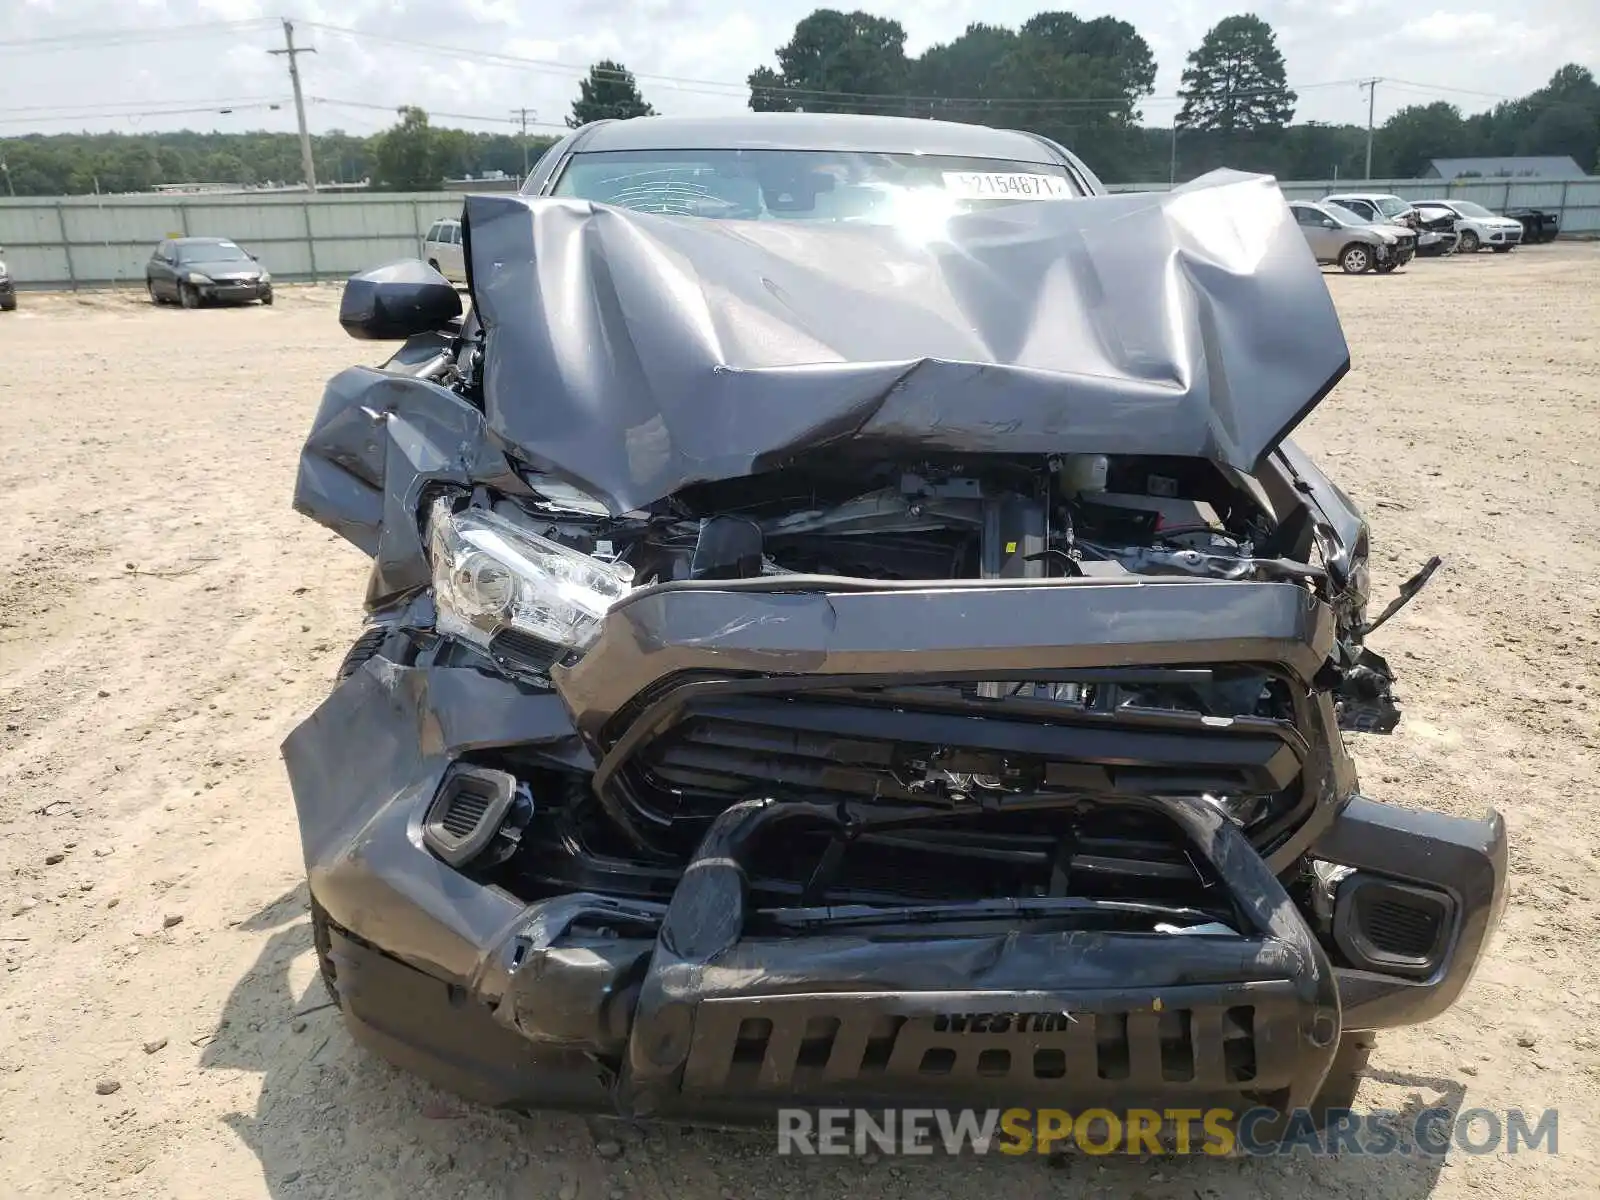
point(1390, 927)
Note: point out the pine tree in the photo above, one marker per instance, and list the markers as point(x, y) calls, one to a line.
point(1235, 81)
point(608, 93)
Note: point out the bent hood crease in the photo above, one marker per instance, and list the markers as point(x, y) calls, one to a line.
point(633, 354)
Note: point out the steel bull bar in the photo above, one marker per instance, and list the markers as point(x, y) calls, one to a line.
point(727, 1025)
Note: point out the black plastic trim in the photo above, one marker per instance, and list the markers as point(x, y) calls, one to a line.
point(496, 790)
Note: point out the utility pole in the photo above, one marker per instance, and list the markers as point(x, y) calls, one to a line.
point(523, 113)
point(1372, 99)
point(290, 51)
point(1172, 166)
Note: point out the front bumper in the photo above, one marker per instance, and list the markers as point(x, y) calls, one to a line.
point(234, 293)
point(707, 1008)
point(1399, 254)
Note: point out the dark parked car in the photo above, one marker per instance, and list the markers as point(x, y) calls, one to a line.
point(847, 625)
point(197, 270)
point(1538, 224)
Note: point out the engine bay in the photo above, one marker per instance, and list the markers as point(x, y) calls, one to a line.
point(1075, 515)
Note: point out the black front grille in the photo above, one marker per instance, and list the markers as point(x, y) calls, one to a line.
point(857, 748)
point(1029, 789)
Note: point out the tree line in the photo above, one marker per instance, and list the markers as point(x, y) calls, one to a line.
point(1081, 83)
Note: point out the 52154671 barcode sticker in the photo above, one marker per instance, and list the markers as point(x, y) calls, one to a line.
point(1008, 185)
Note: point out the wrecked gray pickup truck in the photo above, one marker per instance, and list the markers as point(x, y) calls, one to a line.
point(846, 626)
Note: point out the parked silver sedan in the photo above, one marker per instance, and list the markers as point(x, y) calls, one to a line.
point(1337, 235)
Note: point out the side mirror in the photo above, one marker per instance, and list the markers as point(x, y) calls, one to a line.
point(1329, 223)
point(391, 303)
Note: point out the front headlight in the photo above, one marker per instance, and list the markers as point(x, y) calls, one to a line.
point(266, 277)
point(503, 588)
point(196, 277)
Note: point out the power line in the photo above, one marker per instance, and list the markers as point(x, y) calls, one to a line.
point(486, 118)
point(87, 40)
point(1439, 87)
point(91, 114)
point(110, 106)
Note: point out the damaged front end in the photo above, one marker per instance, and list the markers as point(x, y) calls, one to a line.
point(923, 729)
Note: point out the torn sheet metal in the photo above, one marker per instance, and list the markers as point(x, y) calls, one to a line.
point(633, 354)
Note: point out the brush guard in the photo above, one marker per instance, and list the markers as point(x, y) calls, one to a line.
point(726, 1024)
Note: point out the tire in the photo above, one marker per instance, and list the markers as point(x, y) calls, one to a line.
point(365, 646)
point(1502, 249)
point(1469, 243)
point(323, 941)
point(8, 304)
point(434, 263)
point(267, 300)
point(187, 296)
point(1356, 259)
point(1386, 268)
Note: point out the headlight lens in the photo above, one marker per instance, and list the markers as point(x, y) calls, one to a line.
point(266, 277)
point(196, 277)
point(492, 577)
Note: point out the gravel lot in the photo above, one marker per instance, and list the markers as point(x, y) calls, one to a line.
point(165, 619)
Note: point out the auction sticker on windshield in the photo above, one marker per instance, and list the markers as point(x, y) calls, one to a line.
point(994, 185)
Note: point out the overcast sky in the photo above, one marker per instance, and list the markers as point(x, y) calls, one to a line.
point(690, 55)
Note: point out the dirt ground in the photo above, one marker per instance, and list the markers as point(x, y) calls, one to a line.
point(165, 619)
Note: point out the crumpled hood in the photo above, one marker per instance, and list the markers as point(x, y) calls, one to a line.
point(632, 354)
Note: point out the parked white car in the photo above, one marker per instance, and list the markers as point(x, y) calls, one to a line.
point(1381, 207)
point(1477, 227)
point(441, 250)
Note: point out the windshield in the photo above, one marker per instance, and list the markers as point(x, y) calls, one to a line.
point(1468, 209)
point(216, 252)
point(1346, 215)
point(806, 185)
point(1392, 206)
